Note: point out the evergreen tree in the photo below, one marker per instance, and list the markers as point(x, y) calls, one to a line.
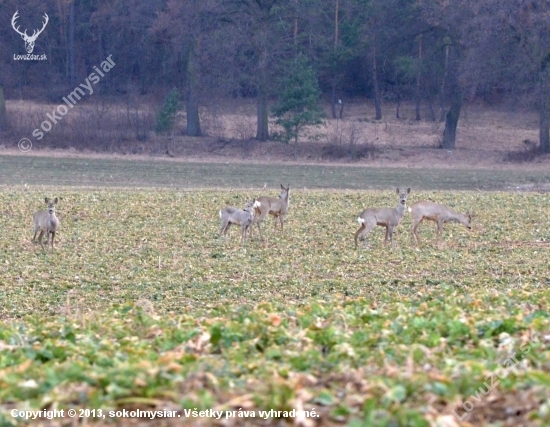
point(166, 116)
point(298, 103)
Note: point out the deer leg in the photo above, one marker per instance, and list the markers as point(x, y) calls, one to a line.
point(358, 233)
point(415, 232)
point(363, 232)
point(389, 231)
point(53, 237)
point(439, 229)
point(281, 220)
point(386, 235)
point(260, 219)
point(225, 230)
point(260, 231)
point(243, 233)
point(369, 227)
point(40, 239)
point(251, 227)
point(35, 233)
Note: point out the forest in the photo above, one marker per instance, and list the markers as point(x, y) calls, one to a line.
point(285, 55)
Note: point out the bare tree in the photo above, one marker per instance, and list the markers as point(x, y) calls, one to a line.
point(450, 18)
point(530, 24)
point(260, 23)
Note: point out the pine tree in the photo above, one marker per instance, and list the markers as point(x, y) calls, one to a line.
point(166, 116)
point(298, 103)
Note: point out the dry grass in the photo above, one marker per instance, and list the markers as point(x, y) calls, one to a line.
point(486, 137)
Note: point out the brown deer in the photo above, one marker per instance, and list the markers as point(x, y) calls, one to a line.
point(276, 206)
point(384, 217)
point(46, 222)
point(243, 217)
point(438, 213)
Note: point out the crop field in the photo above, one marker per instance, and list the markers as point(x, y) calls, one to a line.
point(142, 306)
point(119, 172)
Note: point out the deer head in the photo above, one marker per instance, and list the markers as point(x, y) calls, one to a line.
point(29, 40)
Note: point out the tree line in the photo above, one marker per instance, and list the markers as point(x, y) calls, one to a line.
point(436, 53)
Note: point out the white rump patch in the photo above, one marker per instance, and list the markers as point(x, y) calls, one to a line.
point(220, 214)
point(410, 210)
point(360, 220)
point(257, 204)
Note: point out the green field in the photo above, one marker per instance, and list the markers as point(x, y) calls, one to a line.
point(143, 306)
point(30, 170)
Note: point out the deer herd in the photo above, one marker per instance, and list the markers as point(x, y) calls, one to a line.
point(255, 211)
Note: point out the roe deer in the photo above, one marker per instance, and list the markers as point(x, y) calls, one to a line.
point(438, 213)
point(384, 217)
point(46, 222)
point(276, 206)
point(244, 218)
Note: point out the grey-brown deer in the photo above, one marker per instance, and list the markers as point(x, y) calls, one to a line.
point(435, 212)
point(243, 217)
point(46, 222)
point(276, 206)
point(384, 217)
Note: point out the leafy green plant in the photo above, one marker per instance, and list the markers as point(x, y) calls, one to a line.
point(130, 312)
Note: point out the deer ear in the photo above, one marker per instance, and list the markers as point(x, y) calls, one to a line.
point(408, 190)
point(55, 201)
point(397, 190)
point(282, 188)
point(47, 200)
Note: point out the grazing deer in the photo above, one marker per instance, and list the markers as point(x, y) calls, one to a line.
point(384, 217)
point(276, 206)
point(46, 222)
point(438, 213)
point(244, 218)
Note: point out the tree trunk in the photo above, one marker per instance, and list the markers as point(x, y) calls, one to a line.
point(418, 80)
point(192, 105)
point(451, 120)
point(333, 99)
point(3, 114)
point(544, 120)
point(397, 108)
point(431, 109)
point(262, 129)
point(336, 36)
point(544, 131)
point(72, 76)
point(377, 97)
point(442, 100)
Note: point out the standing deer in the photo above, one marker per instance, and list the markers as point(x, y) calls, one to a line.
point(276, 206)
point(29, 40)
point(438, 213)
point(384, 217)
point(244, 218)
point(46, 222)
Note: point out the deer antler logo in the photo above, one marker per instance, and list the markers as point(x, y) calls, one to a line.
point(29, 40)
